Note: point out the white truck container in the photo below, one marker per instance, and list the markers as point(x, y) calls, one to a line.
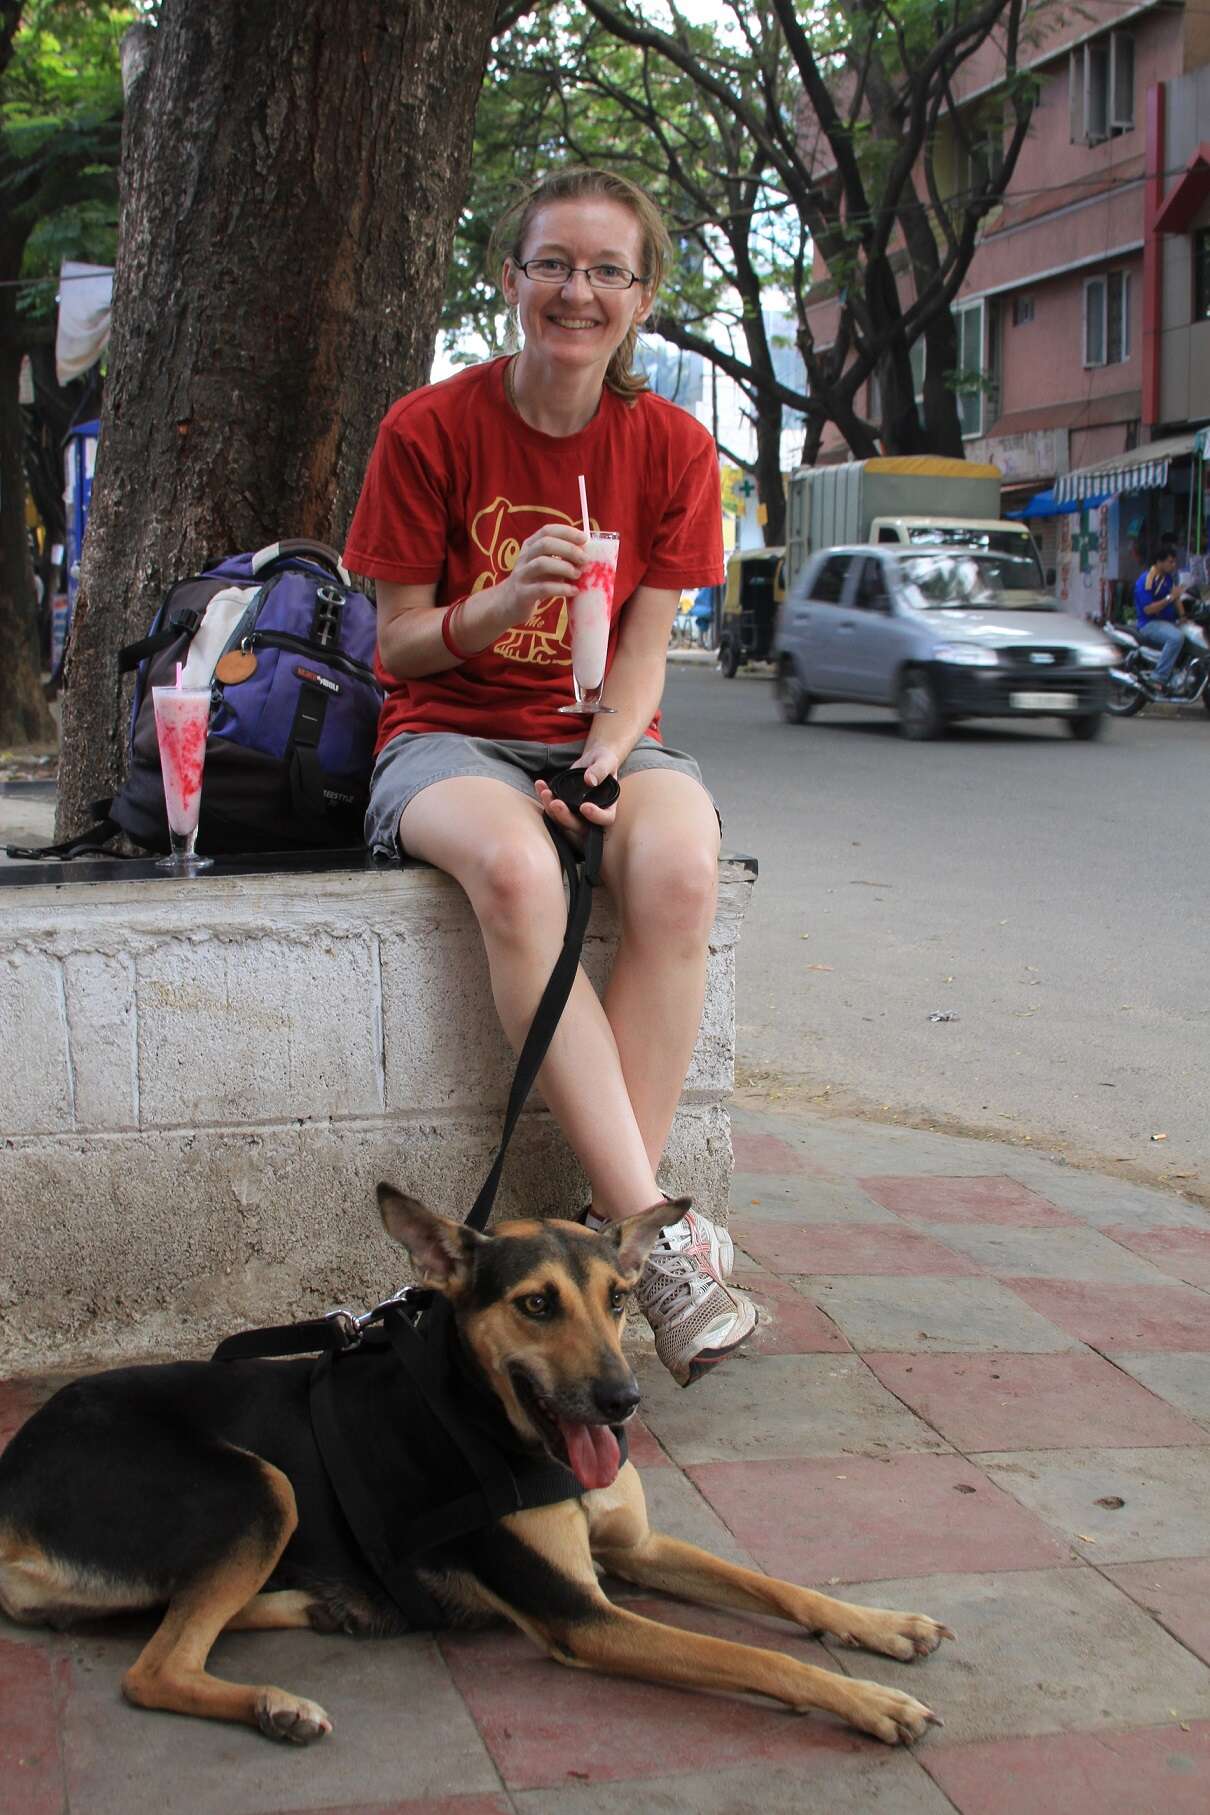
point(920, 499)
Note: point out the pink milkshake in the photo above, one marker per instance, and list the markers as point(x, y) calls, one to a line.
point(591, 608)
point(182, 718)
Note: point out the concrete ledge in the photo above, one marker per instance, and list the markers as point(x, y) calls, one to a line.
point(207, 1080)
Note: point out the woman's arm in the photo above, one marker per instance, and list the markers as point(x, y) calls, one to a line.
point(410, 643)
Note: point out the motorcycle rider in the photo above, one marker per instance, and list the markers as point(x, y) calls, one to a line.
point(1159, 612)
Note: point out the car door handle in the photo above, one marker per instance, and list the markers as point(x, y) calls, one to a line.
point(847, 624)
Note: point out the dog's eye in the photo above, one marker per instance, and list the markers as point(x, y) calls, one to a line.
point(536, 1304)
point(617, 1299)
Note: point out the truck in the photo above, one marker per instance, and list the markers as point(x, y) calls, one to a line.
point(918, 499)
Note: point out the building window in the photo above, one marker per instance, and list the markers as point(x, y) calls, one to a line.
point(1100, 88)
point(968, 380)
point(1107, 319)
point(1023, 310)
point(1201, 274)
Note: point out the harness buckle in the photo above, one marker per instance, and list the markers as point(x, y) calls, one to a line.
point(348, 1324)
point(396, 1299)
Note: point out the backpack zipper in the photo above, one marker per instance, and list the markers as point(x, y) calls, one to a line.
point(333, 658)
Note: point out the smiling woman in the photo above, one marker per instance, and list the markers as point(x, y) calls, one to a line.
point(470, 522)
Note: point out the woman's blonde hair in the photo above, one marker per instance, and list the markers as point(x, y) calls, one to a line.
point(573, 184)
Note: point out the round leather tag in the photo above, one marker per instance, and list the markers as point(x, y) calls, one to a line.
point(237, 665)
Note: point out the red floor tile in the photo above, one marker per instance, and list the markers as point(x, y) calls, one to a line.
point(31, 1770)
point(645, 1452)
point(1010, 1402)
point(836, 1248)
point(1121, 1318)
point(1185, 1253)
point(795, 1326)
point(979, 1199)
point(546, 1725)
point(1177, 1592)
point(441, 1805)
point(861, 1518)
point(765, 1153)
point(1138, 1773)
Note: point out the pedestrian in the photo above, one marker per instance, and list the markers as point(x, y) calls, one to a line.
point(1157, 612)
point(469, 523)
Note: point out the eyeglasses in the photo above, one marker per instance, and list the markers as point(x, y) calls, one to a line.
point(558, 271)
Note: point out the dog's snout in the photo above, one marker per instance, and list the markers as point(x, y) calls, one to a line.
point(616, 1399)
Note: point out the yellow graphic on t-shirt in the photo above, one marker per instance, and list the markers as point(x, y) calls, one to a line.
point(544, 640)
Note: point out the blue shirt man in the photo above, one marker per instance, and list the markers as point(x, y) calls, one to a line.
point(1157, 615)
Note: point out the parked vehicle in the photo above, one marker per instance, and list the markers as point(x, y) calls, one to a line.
point(755, 588)
point(917, 500)
point(1131, 684)
point(939, 634)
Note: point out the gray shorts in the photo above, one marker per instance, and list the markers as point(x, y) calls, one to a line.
point(414, 759)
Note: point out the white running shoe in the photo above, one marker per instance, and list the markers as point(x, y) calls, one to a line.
point(694, 1235)
point(697, 1320)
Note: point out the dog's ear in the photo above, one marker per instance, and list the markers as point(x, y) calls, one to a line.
point(635, 1237)
point(443, 1251)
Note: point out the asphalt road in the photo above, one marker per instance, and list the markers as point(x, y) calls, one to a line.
point(1048, 893)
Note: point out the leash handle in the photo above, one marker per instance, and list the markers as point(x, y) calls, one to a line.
point(581, 880)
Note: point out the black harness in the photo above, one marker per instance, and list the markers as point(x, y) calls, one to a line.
point(417, 1451)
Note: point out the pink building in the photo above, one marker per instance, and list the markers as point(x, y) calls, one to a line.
point(1086, 309)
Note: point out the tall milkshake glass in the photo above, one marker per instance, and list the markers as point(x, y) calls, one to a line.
point(591, 608)
point(182, 717)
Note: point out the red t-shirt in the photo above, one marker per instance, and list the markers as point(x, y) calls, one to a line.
point(457, 481)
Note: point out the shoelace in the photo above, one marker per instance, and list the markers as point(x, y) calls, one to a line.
point(669, 1276)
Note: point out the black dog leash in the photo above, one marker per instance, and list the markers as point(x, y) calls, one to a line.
point(343, 1329)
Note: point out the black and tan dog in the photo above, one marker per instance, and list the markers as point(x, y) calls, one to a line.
point(196, 1487)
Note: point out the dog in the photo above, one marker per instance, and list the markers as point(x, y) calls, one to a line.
point(197, 1487)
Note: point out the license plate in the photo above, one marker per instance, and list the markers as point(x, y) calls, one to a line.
point(1043, 702)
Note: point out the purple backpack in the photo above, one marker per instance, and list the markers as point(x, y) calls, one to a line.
point(286, 646)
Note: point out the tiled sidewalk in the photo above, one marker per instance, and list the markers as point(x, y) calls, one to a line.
point(983, 1393)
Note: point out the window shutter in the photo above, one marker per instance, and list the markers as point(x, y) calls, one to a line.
point(1096, 90)
point(1121, 81)
point(1094, 322)
point(1075, 95)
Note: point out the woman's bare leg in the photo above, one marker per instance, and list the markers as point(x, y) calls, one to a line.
point(661, 868)
point(492, 840)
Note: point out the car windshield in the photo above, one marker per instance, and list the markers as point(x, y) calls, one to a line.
point(949, 579)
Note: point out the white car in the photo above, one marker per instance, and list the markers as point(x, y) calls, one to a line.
point(939, 634)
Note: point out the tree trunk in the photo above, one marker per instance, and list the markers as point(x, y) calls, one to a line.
point(942, 423)
point(292, 171)
point(24, 714)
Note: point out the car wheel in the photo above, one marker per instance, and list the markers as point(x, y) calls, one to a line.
point(728, 658)
point(1124, 701)
point(920, 715)
point(1087, 726)
point(793, 701)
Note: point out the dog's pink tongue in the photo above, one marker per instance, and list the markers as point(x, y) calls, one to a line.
point(592, 1450)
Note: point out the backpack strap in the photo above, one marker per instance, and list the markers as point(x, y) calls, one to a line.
point(89, 843)
point(183, 623)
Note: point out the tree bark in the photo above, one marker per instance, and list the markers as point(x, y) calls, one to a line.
point(292, 171)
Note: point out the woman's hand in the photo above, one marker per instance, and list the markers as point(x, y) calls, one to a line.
point(597, 761)
point(548, 565)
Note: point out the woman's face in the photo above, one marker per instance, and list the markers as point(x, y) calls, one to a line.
point(574, 325)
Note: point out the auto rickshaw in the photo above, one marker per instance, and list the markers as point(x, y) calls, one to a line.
point(756, 586)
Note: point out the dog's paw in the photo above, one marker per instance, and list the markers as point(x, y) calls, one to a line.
point(289, 1717)
point(900, 1635)
point(889, 1715)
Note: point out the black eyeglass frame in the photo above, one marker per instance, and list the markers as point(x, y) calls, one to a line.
point(571, 271)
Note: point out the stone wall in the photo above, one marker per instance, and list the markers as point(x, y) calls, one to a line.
point(205, 1081)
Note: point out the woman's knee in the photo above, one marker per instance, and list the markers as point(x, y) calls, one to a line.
point(670, 895)
point(516, 888)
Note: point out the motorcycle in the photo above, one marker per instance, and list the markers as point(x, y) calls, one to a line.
point(1132, 684)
